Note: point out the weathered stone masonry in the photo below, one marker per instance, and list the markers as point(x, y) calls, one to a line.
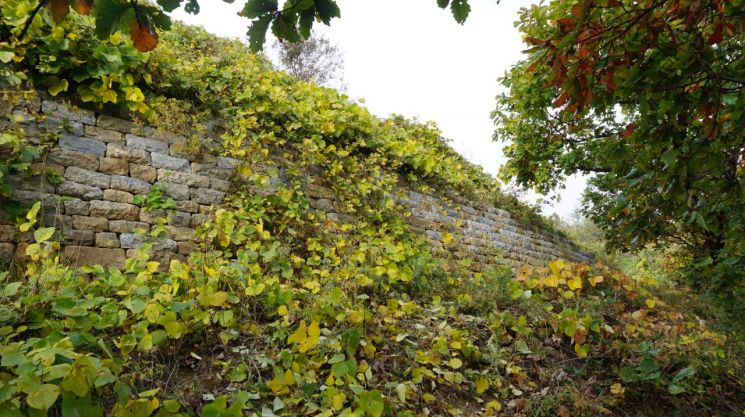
point(106, 161)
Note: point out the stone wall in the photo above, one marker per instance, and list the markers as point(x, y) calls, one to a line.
point(103, 162)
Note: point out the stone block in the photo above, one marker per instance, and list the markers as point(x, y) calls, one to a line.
point(130, 241)
point(87, 177)
point(57, 124)
point(187, 206)
point(68, 112)
point(146, 144)
point(23, 182)
point(186, 248)
point(175, 191)
point(323, 204)
point(114, 166)
point(76, 206)
point(159, 160)
point(66, 157)
point(130, 185)
point(126, 226)
point(138, 156)
point(118, 196)
point(28, 198)
point(227, 163)
point(114, 211)
point(180, 233)
point(82, 255)
point(104, 135)
point(185, 178)
point(114, 123)
point(79, 237)
point(96, 224)
point(207, 196)
point(200, 219)
point(211, 171)
point(179, 218)
point(143, 172)
point(9, 233)
point(107, 240)
point(152, 216)
point(219, 185)
point(81, 144)
point(7, 250)
point(81, 191)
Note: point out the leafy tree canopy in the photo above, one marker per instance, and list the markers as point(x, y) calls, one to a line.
point(142, 19)
point(648, 97)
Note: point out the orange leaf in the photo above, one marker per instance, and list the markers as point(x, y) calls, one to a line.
point(144, 37)
point(83, 6)
point(58, 9)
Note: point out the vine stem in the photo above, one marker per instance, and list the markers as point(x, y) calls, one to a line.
point(31, 19)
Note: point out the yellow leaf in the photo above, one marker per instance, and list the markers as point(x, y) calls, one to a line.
point(650, 302)
point(282, 310)
point(447, 238)
point(575, 283)
point(551, 281)
point(617, 389)
point(595, 280)
point(455, 363)
point(481, 385)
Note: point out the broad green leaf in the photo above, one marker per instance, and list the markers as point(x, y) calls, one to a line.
point(43, 396)
point(259, 8)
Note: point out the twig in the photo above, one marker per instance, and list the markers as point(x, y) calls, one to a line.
point(31, 19)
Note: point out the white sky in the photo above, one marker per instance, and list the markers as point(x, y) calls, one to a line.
point(410, 57)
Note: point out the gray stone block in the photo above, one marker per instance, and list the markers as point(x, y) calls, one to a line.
point(185, 178)
point(81, 191)
point(227, 163)
point(175, 191)
point(207, 196)
point(76, 206)
point(80, 144)
point(159, 160)
point(130, 185)
point(79, 237)
point(146, 144)
point(179, 218)
point(130, 241)
point(84, 176)
point(211, 171)
point(104, 135)
point(180, 233)
point(118, 196)
point(219, 185)
point(66, 157)
point(68, 112)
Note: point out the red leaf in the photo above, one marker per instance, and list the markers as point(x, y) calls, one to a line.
point(144, 37)
point(58, 9)
point(83, 6)
point(716, 37)
point(629, 130)
point(562, 98)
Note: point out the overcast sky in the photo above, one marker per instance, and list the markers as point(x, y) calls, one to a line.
point(410, 57)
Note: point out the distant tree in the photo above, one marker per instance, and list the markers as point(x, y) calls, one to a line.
point(315, 59)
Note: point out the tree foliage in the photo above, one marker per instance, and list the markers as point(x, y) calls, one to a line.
point(143, 20)
point(648, 97)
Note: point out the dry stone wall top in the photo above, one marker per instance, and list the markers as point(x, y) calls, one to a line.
point(104, 162)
